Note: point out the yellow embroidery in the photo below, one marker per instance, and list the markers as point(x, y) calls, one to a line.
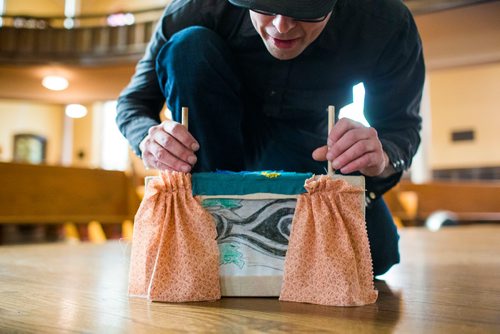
point(271, 175)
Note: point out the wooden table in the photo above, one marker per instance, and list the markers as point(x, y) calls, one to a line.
point(448, 282)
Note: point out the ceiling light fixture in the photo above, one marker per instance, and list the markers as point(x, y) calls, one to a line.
point(54, 82)
point(76, 111)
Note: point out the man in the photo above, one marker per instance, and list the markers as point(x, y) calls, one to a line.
point(258, 75)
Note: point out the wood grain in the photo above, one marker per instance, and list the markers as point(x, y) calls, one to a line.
point(448, 282)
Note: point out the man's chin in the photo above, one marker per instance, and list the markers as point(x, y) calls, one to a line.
point(284, 54)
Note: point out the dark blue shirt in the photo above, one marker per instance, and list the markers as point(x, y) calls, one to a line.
point(371, 41)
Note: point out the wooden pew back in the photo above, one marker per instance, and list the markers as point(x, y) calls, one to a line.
point(469, 201)
point(53, 194)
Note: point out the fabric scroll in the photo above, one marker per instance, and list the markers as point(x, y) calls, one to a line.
point(175, 257)
point(328, 260)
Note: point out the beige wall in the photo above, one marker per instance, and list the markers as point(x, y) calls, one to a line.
point(48, 120)
point(462, 53)
point(35, 118)
point(461, 99)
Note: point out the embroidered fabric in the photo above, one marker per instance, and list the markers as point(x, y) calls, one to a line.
point(328, 260)
point(174, 257)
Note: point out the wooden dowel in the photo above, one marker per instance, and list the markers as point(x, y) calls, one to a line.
point(331, 123)
point(185, 120)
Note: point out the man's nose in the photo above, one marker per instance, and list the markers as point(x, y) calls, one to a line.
point(283, 23)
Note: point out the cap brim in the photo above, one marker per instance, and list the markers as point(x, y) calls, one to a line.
point(299, 9)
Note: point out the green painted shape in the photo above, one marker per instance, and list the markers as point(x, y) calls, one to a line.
point(229, 253)
point(226, 203)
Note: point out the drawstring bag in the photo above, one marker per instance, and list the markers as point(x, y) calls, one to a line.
point(328, 260)
point(174, 257)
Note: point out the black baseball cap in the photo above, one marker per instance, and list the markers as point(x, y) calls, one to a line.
point(299, 9)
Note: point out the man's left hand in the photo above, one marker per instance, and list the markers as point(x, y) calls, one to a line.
point(352, 147)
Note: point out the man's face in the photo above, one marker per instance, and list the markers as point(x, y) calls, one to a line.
point(284, 37)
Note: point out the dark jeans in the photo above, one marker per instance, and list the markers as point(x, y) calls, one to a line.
point(196, 69)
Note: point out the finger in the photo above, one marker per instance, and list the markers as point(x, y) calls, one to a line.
point(161, 166)
point(171, 144)
point(356, 151)
point(367, 164)
point(340, 128)
point(151, 162)
point(164, 157)
point(148, 159)
point(349, 139)
point(319, 154)
point(362, 163)
point(179, 132)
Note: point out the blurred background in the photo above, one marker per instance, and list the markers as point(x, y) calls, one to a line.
point(66, 173)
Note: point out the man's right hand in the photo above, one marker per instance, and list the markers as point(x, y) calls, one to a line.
point(169, 146)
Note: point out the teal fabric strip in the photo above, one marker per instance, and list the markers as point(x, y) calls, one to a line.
point(244, 183)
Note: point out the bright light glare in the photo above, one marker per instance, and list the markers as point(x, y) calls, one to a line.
point(76, 111)
point(69, 12)
point(2, 11)
point(121, 19)
point(354, 110)
point(114, 147)
point(438, 218)
point(69, 8)
point(69, 23)
point(54, 82)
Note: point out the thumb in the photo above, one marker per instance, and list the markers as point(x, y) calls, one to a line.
point(319, 154)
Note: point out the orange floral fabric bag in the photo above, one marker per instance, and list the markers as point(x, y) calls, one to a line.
point(174, 257)
point(328, 260)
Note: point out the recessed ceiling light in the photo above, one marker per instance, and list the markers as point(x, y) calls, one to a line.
point(76, 111)
point(54, 82)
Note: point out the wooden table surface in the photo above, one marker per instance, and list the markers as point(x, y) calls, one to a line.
point(448, 282)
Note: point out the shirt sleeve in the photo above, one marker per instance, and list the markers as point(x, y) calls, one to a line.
point(392, 102)
point(140, 103)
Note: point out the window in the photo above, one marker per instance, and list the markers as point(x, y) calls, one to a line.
point(114, 147)
point(70, 10)
point(2, 11)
